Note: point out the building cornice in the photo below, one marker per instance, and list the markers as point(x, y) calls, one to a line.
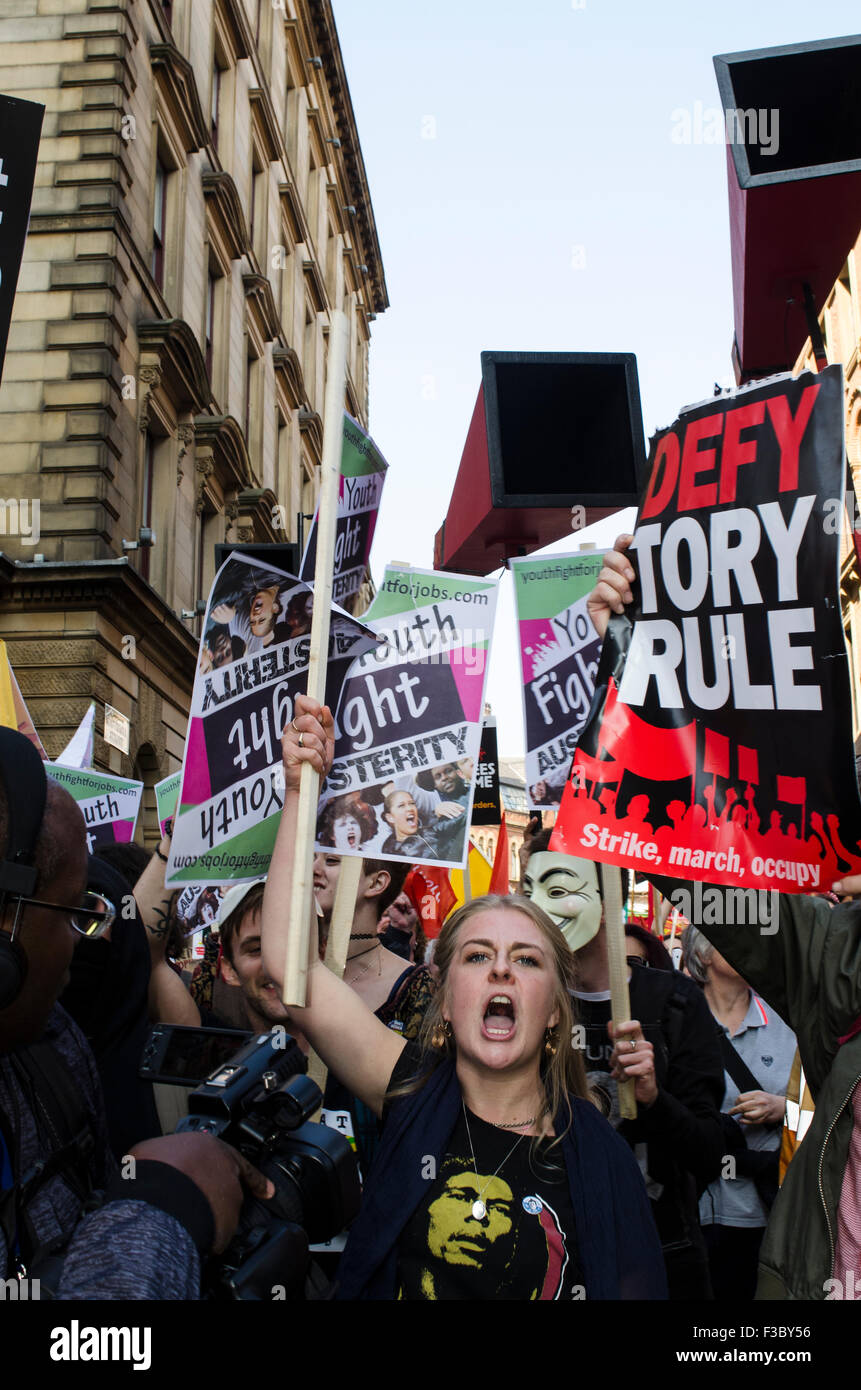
point(326, 34)
point(174, 80)
point(223, 201)
point(115, 590)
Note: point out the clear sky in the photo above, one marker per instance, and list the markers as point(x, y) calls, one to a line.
point(530, 195)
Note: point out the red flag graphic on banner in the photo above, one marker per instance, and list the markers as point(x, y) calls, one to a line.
point(499, 876)
point(657, 754)
point(792, 789)
point(593, 769)
point(431, 894)
point(748, 764)
point(716, 755)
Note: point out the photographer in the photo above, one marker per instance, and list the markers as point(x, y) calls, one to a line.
point(181, 1197)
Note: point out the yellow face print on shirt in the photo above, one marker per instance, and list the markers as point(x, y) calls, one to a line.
point(454, 1234)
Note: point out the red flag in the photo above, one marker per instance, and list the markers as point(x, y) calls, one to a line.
point(748, 764)
point(660, 755)
point(499, 874)
point(431, 894)
point(792, 789)
point(588, 769)
point(716, 755)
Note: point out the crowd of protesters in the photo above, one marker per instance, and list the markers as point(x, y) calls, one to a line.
point(478, 1092)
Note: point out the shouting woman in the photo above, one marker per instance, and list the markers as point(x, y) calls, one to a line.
point(495, 1177)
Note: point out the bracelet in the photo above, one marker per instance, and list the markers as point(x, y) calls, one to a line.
point(162, 857)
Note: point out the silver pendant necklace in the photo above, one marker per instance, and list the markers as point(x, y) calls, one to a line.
point(479, 1210)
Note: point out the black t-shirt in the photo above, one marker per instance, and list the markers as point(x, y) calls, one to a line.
point(524, 1246)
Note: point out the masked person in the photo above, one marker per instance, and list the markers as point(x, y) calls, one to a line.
point(669, 1049)
point(182, 1197)
point(486, 1106)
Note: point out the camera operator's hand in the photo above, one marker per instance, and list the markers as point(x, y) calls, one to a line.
point(308, 738)
point(613, 588)
point(217, 1169)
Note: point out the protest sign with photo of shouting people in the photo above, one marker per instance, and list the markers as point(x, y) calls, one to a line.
point(232, 776)
point(197, 904)
point(559, 650)
point(719, 746)
point(408, 728)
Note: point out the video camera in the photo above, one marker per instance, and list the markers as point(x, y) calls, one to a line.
point(260, 1101)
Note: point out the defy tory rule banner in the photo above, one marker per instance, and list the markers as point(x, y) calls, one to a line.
point(559, 650)
point(719, 746)
point(408, 728)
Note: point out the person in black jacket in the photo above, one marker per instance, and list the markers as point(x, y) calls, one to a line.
point(179, 1199)
point(670, 1050)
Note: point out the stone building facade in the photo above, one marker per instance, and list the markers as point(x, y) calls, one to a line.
point(201, 207)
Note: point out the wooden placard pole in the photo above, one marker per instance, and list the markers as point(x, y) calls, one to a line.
point(301, 896)
point(620, 1004)
point(343, 912)
point(467, 880)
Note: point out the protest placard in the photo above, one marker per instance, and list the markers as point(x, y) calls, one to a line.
point(109, 805)
point(559, 650)
point(487, 803)
point(720, 744)
point(13, 711)
point(253, 662)
point(78, 752)
point(198, 903)
point(409, 724)
point(166, 797)
point(363, 472)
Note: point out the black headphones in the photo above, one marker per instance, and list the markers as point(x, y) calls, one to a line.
point(21, 769)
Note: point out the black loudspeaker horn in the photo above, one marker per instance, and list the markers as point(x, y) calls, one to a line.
point(793, 126)
point(284, 556)
point(550, 431)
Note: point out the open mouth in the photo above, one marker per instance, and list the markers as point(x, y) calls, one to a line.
point(498, 1018)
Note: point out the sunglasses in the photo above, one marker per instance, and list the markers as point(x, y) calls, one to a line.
point(91, 918)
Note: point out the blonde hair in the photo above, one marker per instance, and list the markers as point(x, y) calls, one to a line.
point(563, 1071)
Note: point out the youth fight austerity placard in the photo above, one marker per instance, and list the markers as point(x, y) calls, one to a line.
point(109, 804)
point(253, 663)
point(559, 651)
point(408, 729)
point(720, 747)
point(360, 487)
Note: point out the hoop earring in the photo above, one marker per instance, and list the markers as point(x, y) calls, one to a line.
point(441, 1036)
point(551, 1037)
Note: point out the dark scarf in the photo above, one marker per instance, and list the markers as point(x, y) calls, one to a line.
point(618, 1245)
